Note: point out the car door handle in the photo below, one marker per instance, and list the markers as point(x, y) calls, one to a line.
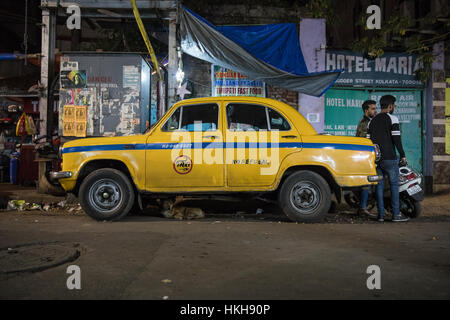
point(289, 137)
point(211, 137)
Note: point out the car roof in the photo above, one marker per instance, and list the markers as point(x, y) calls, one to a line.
point(295, 117)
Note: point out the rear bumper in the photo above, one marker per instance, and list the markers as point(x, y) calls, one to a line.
point(55, 175)
point(374, 178)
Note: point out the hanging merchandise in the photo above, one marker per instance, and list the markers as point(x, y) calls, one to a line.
point(23, 127)
point(32, 126)
point(2, 142)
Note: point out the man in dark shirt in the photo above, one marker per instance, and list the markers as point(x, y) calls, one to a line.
point(384, 130)
point(369, 108)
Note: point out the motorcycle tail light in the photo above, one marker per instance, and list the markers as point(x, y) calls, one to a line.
point(402, 179)
point(411, 176)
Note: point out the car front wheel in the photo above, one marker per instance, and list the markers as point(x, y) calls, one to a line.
point(106, 194)
point(305, 196)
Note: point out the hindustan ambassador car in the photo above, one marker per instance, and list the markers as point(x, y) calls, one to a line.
point(232, 146)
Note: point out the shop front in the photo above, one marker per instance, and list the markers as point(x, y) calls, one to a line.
point(365, 79)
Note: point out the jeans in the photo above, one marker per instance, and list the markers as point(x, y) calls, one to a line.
point(389, 167)
point(364, 197)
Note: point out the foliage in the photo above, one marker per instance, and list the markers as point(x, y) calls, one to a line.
point(323, 9)
point(415, 36)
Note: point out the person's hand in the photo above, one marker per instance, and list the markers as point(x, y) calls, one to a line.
point(403, 161)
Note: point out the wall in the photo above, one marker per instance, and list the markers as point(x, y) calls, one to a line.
point(441, 160)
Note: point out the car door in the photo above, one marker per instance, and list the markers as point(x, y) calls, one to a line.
point(186, 152)
point(258, 138)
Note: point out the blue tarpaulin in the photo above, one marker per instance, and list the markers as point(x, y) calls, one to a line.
point(275, 44)
point(269, 53)
point(8, 56)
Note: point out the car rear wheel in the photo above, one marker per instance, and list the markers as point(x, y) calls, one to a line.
point(106, 194)
point(305, 196)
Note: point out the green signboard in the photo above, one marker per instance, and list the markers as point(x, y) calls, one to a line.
point(343, 112)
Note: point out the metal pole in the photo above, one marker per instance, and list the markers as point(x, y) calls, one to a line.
point(173, 63)
point(45, 95)
point(47, 69)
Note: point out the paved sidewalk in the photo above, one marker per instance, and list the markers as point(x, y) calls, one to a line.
point(29, 194)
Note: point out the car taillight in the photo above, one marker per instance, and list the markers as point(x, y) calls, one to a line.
point(377, 152)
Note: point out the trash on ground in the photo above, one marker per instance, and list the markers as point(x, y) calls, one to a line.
point(21, 205)
point(62, 203)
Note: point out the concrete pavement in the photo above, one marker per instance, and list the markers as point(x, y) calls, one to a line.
point(145, 257)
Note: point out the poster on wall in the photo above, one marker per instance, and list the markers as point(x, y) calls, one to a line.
point(74, 120)
point(131, 76)
point(81, 105)
point(226, 82)
point(73, 79)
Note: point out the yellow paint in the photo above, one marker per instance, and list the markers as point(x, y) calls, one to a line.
point(153, 169)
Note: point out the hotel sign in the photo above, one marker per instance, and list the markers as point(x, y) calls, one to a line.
point(390, 70)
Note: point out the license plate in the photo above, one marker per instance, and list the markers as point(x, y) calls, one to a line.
point(414, 190)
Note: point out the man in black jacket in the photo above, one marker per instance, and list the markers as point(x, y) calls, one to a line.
point(384, 130)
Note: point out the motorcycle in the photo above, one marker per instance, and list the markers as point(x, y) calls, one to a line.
point(47, 147)
point(411, 194)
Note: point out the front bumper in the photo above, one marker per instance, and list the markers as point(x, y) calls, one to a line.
point(55, 175)
point(374, 178)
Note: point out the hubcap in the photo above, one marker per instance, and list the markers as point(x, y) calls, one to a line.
point(305, 197)
point(105, 195)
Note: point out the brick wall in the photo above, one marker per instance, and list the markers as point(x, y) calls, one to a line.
point(283, 95)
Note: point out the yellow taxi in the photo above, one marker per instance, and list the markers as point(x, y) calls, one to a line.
point(239, 146)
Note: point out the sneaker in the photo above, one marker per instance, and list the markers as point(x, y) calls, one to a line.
point(362, 211)
point(380, 219)
point(367, 213)
point(400, 218)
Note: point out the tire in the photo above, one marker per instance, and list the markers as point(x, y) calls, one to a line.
point(106, 194)
point(414, 208)
point(305, 196)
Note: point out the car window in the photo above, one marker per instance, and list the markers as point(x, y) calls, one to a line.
point(243, 117)
point(277, 121)
point(174, 122)
point(205, 116)
point(202, 117)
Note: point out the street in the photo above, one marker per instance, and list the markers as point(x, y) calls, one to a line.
point(225, 256)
